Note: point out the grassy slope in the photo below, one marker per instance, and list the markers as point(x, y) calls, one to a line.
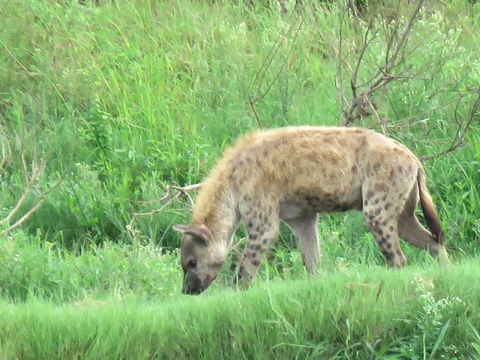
point(354, 313)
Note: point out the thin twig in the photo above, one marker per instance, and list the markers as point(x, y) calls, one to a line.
point(339, 86)
point(462, 129)
point(33, 178)
point(30, 212)
point(404, 38)
point(353, 81)
point(282, 66)
point(361, 104)
point(180, 191)
point(252, 105)
point(267, 63)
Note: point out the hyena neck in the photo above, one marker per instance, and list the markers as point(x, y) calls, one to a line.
point(215, 208)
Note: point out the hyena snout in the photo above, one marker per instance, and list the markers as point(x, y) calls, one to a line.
point(194, 285)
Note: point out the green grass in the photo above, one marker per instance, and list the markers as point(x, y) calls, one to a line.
point(32, 269)
point(356, 313)
point(122, 99)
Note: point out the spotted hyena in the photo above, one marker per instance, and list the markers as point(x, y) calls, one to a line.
point(294, 173)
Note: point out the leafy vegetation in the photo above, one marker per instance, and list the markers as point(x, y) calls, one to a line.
point(103, 107)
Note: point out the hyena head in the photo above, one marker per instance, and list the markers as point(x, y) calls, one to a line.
point(201, 257)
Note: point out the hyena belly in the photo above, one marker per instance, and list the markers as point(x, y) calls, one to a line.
point(296, 195)
point(299, 204)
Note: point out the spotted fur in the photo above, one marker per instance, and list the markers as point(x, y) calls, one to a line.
point(294, 173)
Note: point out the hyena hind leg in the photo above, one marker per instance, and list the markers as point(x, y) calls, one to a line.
point(411, 230)
point(386, 235)
point(305, 229)
point(381, 211)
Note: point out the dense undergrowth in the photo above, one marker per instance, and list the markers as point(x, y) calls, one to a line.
point(123, 99)
point(120, 100)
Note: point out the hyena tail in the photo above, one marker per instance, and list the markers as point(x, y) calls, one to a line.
point(431, 217)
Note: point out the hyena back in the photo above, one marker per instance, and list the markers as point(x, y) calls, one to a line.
point(294, 173)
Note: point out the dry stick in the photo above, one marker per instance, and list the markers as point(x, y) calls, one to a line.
point(292, 26)
point(339, 86)
point(460, 135)
point(181, 190)
point(185, 189)
point(365, 44)
point(393, 35)
point(252, 105)
point(283, 65)
point(29, 213)
point(266, 65)
point(404, 38)
point(156, 211)
point(382, 126)
point(381, 81)
point(31, 181)
point(391, 62)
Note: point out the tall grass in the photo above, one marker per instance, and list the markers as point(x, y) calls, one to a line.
point(413, 314)
point(127, 97)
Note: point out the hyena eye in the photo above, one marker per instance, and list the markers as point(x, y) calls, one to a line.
point(192, 263)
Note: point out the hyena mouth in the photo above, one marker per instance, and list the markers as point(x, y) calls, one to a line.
point(192, 285)
point(188, 290)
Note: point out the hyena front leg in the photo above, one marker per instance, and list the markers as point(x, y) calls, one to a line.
point(305, 229)
point(262, 228)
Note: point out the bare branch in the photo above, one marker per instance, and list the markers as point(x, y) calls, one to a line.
point(185, 189)
point(462, 128)
point(267, 63)
point(261, 73)
point(251, 102)
point(36, 172)
point(391, 62)
point(15, 147)
point(267, 90)
point(353, 81)
point(361, 104)
point(179, 191)
point(340, 63)
point(30, 212)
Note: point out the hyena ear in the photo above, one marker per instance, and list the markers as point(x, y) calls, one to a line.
point(201, 232)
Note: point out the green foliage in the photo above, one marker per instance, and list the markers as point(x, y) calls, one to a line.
point(31, 268)
point(124, 99)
